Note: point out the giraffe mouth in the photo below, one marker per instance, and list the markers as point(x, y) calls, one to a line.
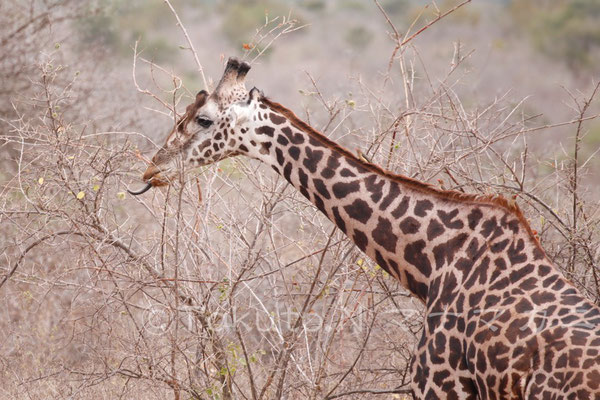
point(152, 178)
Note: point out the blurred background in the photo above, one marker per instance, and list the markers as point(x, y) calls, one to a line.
point(542, 52)
point(489, 96)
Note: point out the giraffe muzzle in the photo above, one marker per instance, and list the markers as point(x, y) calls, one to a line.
point(151, 178)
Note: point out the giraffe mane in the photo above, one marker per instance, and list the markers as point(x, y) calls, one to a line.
point(423, 187)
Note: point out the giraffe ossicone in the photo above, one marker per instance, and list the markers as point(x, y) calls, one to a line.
point(501, 320)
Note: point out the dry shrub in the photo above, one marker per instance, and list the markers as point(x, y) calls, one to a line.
point(228, 284)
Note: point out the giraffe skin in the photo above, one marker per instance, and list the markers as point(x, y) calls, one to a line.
point(501, 320)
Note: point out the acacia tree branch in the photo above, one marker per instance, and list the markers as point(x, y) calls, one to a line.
point(575, 177)
point(189, 41)
point(370, 391)
point(433, 21)
point(17, 263)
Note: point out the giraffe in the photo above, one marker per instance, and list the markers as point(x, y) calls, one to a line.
point(501, 320)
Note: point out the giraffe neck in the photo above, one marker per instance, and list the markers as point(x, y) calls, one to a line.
point(412, 230)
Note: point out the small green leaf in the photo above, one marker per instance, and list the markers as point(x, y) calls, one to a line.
point(80, 195)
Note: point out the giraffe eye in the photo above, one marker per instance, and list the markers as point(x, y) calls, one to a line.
point(203, 122)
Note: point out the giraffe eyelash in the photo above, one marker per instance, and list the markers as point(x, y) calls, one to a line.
point(203, 122)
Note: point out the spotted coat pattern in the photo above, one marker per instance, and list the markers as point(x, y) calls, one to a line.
point(501, 321)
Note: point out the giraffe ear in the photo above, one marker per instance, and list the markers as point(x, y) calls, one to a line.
point(255, 95)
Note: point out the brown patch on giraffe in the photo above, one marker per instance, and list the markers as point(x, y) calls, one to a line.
point(265, 130)
point(474, 251)
point(343, 189)
point(499, 246)
point(491, 227)
point(276, 119)
point(360, 239)
point(303, 178)
point(279, 155)
point(447, 219)
point(518, 274)
point(320, 204)
point(480, 271)
point(415, 286)
point(382, 262)
point(204, 145)
point(515, 252)
point(413, 254)
point(401, 209)
point(339, 221)
point(264, 147)
point(593, 379)
point(305, 192)
point(394, 191)
point(374, 185)
point(359, 210)
point(332, 165)
point(384, 236)
point(422, 207)
point(295, 138)
point(282, 140)
point(410, 225)
point(474, 217)
point(434, 229)
point(321, 188)
point(444, 252)
point(287, 172)
point(312, 159)
point(345, 173)
point(542, 297)
point(294, 152)
point(315, 143)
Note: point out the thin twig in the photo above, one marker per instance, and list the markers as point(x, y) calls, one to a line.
point(189, 41)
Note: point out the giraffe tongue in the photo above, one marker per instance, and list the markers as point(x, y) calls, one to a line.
point(142, 190)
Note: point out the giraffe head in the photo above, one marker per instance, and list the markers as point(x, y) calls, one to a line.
point(205, 133)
